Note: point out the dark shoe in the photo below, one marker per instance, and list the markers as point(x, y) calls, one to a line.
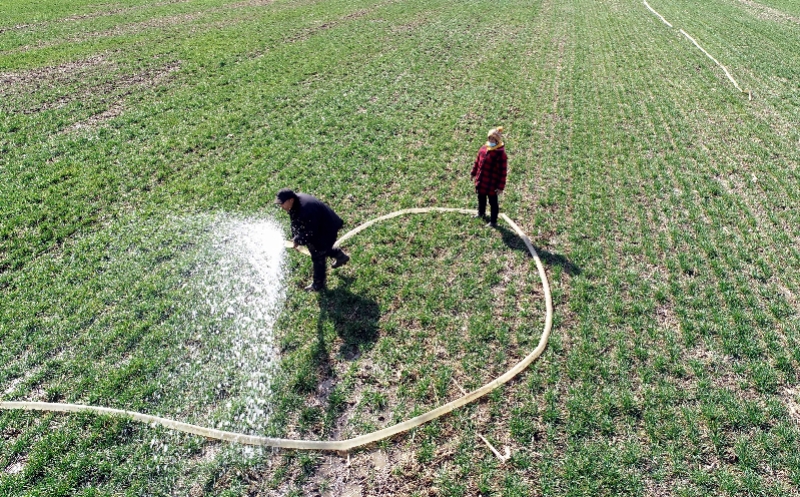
point(314, 287)
point(491, 225)
point(479, 216)
point(341, 261)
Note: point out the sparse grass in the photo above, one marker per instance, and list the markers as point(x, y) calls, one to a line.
point(662, 203)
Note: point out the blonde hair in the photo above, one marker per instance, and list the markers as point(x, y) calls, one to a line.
point(496, 135)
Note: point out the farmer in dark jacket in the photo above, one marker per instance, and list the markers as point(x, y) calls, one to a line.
point(314, 225)
point(489, 174)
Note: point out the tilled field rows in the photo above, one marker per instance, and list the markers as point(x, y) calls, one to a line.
point(661, 199)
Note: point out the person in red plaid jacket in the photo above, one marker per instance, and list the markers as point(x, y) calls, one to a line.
point(489, 174)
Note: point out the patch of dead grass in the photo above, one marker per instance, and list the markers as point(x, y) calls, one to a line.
point(308, 33)
point(410, 26)
point(31, 80)
point(29, 373)
point(113, 10)
point(721, 374)
point(18, 466)
point(115, 110)
point(113, 90)
point(350, 475)
point(768, 13)
point(791, 397)
point(159, 23)
point(249, 3)
point(358, 14)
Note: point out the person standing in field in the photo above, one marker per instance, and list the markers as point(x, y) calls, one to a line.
point(316, 226)
point(489, 174)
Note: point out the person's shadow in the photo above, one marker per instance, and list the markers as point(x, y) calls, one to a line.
point(513, 241)
point(353, 317)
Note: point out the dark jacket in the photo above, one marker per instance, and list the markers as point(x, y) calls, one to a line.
point(489, 170)
point(313, 222)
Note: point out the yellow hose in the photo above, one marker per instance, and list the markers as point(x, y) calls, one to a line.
point(342, 445)
point(728, 74)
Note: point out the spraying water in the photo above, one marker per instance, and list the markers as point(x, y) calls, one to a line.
point(239, 286)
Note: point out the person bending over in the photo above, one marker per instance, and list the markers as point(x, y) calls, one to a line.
point(489, 174)
point(314, 225)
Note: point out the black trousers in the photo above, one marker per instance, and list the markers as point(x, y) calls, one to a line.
point(493, 204)
point(319, 254)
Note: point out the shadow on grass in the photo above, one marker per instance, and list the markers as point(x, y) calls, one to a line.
point(355, 320)
point(354, 317)
point(513, 241)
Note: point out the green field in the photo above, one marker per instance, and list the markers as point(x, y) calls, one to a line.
point(662, 201)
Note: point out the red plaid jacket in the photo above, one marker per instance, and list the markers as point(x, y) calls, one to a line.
point(489, 171)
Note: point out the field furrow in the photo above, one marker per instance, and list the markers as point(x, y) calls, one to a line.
point(141, 146)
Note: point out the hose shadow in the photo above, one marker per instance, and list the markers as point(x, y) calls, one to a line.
point(513, 241)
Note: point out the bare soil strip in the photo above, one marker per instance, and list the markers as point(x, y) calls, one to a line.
point(769, 13)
